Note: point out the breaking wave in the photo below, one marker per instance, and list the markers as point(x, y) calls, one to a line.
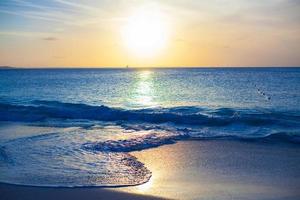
point(43, 110)
point(96, 151)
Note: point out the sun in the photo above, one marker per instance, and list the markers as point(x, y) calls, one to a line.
point(145, 32)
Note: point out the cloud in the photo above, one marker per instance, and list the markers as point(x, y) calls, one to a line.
point(24, 33)
point(77, 5)
point(50, 38)
point(71, 13)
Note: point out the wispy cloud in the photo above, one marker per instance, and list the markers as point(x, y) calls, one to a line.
point(50, 38)
point(29, 5)
point(33, 15)
point(59, 11)
point(24, 34)
point(78, 5)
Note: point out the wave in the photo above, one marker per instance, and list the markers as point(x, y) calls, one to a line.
point(138, 143)
point(155, 140)
point(57, 160)
point(92, 145)
point(195, 116)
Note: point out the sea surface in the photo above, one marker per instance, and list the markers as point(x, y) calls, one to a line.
point(77, 127)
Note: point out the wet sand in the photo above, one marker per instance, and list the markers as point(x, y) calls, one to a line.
point(13, 192)
point(222, 170)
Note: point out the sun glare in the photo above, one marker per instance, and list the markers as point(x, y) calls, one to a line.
point(145, 32)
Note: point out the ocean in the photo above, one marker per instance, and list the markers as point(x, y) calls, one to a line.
point(77, 127)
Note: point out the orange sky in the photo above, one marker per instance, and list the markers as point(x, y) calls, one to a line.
point(66, 33)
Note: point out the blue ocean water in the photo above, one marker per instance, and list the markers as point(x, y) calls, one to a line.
point(77, 127)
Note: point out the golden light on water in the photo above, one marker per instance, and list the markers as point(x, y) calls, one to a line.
point(144, 91)
point(145, 32)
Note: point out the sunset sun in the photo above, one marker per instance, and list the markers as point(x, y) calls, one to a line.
point(145, 32)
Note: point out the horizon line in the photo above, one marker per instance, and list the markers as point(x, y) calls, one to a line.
point(134, 67)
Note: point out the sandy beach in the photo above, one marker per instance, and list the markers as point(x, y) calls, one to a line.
point(197, 170)
point(222, 170)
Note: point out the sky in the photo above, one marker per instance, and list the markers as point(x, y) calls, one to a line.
point(144, 33)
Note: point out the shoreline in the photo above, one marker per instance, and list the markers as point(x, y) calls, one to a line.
point(143, 68)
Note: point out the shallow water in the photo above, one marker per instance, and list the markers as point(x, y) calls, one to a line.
point(72, 127)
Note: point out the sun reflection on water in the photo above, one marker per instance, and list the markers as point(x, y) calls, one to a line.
point(144, 90)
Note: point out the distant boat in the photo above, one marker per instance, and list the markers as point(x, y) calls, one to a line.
point(127, 66)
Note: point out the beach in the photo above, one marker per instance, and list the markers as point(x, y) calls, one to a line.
point(222, 170)
point(212, 169)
